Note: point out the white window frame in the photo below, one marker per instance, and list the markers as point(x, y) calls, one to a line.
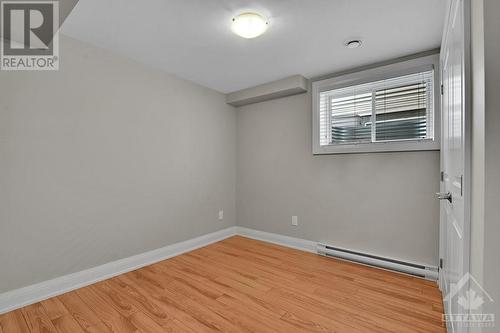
point(407, 67)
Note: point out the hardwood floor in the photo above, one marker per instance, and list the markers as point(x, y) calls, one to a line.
point(241, 285)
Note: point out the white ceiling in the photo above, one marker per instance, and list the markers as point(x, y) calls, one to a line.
point(192, 38)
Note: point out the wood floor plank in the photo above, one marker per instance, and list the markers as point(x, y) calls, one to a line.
point(200, 311)
point(115, 321)
point(116, 299)
point(155, 295)
point(37, 319)
point(54, 308)
point(144, 323)
point(83, 314)
point(141, 301)
point(67, 324)
point(13, 322)
point(242, 285)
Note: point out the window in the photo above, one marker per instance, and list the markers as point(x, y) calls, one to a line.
point(377, 110)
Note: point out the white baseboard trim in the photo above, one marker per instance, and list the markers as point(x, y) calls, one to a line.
point(292, 242)
point(18, 298)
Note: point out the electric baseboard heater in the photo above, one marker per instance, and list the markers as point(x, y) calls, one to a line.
point(427, 272)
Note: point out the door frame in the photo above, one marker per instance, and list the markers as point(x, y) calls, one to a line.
point(467, 135)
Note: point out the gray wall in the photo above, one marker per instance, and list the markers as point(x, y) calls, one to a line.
point(492, 155)
point(477, 141)
point(485, 262)
point(381, 203)
point(105, 159)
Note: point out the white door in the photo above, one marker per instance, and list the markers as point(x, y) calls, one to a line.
point(454, 149)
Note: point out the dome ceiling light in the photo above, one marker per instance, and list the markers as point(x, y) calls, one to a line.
point(353, 44)
point(249, 25)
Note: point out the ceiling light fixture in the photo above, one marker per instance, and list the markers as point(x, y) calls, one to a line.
point(353, 44)
point(249, 25)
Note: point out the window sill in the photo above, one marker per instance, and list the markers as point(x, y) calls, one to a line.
point(377, 147)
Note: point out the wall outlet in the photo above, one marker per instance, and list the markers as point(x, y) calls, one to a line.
point(221, 215)
point(295, 220)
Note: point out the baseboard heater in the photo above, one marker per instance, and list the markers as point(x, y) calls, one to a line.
point(426, 272)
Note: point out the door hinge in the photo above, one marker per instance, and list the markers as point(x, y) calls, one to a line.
point(442, 89)
point(441, 263)
point(442, 176)
point(462, 185)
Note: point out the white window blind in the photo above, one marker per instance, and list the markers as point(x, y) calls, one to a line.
point(391, 110)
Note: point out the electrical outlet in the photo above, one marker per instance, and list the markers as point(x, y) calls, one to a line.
point(221, 215)
point(295, 220)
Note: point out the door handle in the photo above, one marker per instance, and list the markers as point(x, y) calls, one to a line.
point(444, 196)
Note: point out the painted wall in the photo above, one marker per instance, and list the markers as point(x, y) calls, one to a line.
point(106, 159)
point(492, 155)
point(477, 140)
point(485, 245)
point(380, 203)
